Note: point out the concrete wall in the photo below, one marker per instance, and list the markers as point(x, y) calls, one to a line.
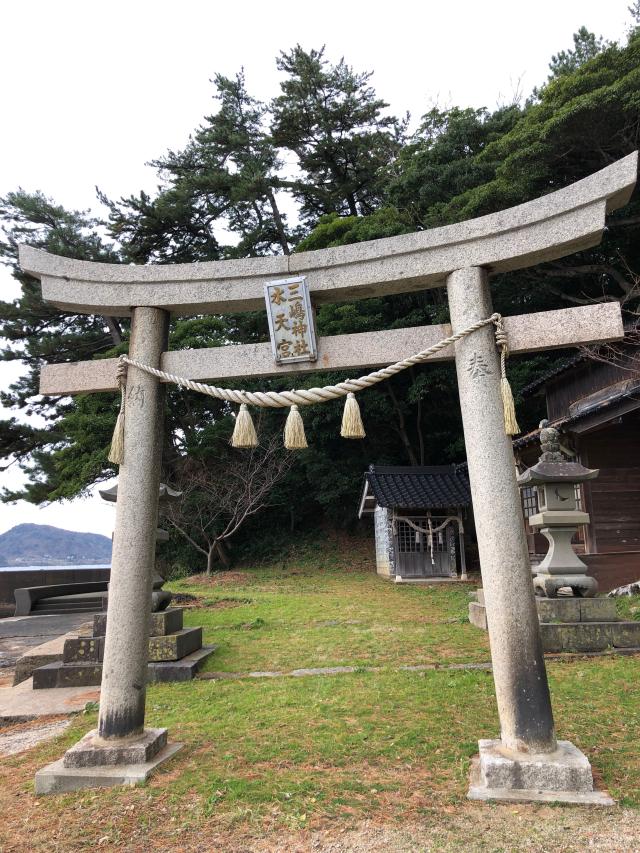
point(12, 579)
point(385, 563)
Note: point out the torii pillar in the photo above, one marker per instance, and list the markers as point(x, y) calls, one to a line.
point(526, 762)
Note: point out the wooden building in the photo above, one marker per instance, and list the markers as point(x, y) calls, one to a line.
point(594, 400)
point(419, 515)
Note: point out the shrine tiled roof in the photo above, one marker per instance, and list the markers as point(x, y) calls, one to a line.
point(419, 487)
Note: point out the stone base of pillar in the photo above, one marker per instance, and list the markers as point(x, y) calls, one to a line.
point(562, 776)
point(95, 763)
point(582, 586)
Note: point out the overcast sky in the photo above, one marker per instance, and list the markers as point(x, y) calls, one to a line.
point(91, 90)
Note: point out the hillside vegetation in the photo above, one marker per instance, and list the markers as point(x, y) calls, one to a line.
point(42, 544)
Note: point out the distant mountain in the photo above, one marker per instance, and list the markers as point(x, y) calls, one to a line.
point(41, 544)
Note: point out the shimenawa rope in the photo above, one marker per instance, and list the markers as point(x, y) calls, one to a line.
point(244, 434)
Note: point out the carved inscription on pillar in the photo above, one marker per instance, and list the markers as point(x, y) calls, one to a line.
point(477, 366)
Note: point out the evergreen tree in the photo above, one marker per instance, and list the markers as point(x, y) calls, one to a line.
point(332, 120)
point(442, 160)
point(225, 178)
point(36, 333)
point(358, 181)
point(586, 45)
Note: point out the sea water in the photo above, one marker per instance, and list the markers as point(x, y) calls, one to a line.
point(53, 568)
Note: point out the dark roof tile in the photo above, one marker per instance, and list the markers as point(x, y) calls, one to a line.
point(419, 487)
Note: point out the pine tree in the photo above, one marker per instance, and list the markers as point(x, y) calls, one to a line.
point(225, 178)
point(332, 120)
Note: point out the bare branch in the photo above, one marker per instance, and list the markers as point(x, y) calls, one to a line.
point(218, 497)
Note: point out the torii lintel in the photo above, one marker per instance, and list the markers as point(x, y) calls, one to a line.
point(545, 229)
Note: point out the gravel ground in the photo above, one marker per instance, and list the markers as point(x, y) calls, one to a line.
point(468, 827)
point(23, 736)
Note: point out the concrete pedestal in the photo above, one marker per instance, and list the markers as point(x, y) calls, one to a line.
point(562, 776)
point(94, 751)
point(56, 778)
point(97, 763)
point(573, 624)
point(550, 585)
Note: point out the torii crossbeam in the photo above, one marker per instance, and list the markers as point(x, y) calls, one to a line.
point(461, 257)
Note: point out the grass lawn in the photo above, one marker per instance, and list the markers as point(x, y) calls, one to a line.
point(277, 763)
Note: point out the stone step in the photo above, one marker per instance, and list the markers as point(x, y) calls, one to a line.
point(586, 636)
point(568, 609)
point(163, 648)
point(164, 622)
point(59, 674)
point(589, 636)
point(67, 605)
point(90, 674)
point(577, 609)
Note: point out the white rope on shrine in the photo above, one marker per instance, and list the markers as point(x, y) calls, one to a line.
point(352, 427)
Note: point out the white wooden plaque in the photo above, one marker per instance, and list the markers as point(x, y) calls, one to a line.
point(291, 325)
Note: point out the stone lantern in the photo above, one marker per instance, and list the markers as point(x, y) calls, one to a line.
point(160, 598)
point(558, 518)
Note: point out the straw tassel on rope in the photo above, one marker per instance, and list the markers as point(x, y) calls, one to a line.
point(294, 437)
point(352, 426)
point(244, 432)
point(510, 422)
point(116, 452)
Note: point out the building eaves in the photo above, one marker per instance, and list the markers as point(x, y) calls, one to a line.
point(419, 487)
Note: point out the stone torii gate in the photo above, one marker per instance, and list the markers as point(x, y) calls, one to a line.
point(461, 257)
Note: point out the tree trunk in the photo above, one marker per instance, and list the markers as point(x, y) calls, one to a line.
point(211, 556)
point(351, 201)
point(222, 554)
point(401, 426)
point(277, 218)
point(114, 330)
point(419, 429)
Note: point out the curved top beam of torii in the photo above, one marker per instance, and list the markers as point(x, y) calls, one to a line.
point(544, 229)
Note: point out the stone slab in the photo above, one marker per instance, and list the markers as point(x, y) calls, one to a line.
point(180, 670)
point(49, 652)
point(571, 609)
point(565, 769)
point(558, 609)
point(174, 647)
point(59, 675)
point(92, 751)
point(584, 636)
point(164, 622)
point(589, 636)
point(544, 229)
point(169, 647)
point(55, 778)
point(432, 581)
point(478, 615)
point(22, 702)
point(597, 610)
point(522, 795)
point(83, 650)
point(555, 517)
point(527, 333)
point(12, 649)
